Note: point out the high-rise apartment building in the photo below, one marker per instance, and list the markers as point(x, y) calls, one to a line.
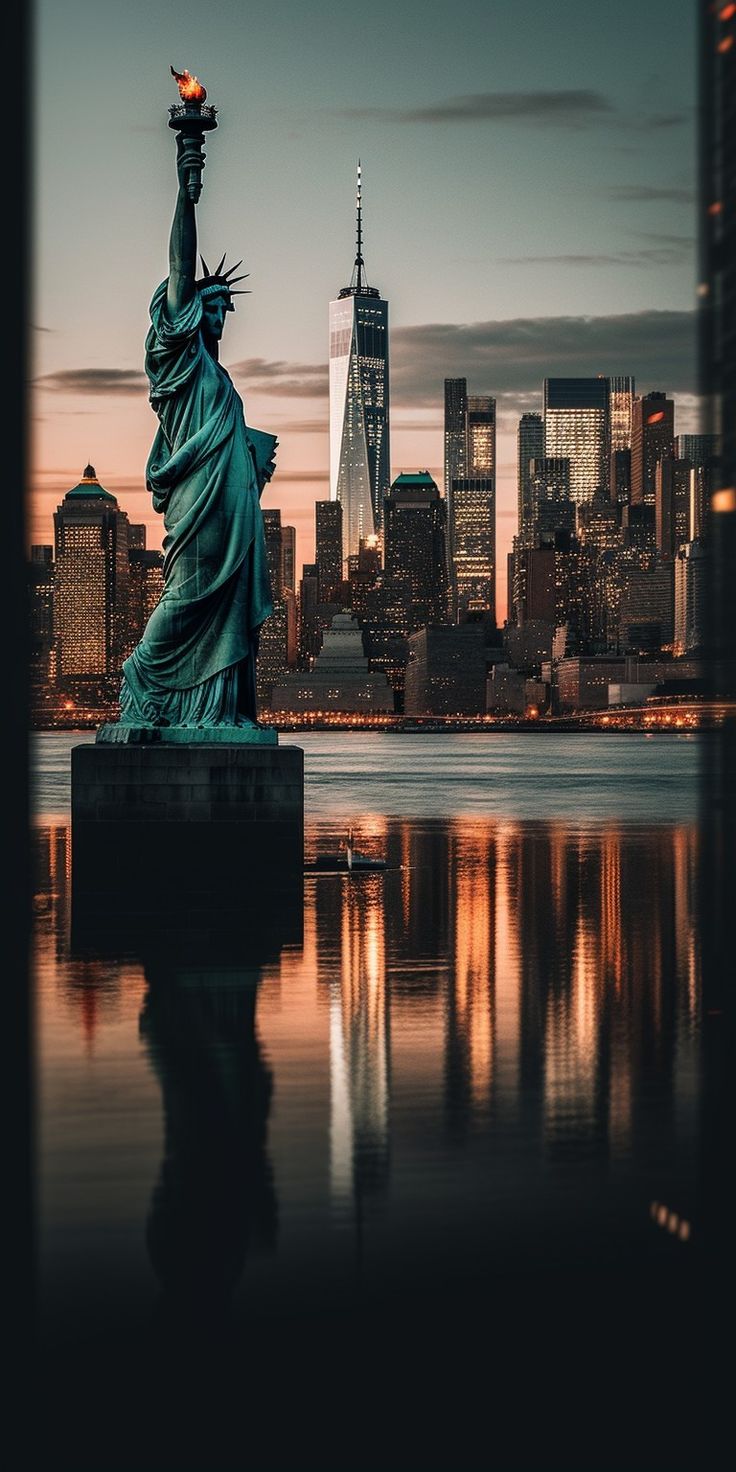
point(652, 439)
point(91, 581)
point(619, 477)
point(550, 507)
point(328, 547)
point(415, 538)
point(359, 401)
point(673, 482)
point(288, 558)
point(576, 429)
point(530, 446)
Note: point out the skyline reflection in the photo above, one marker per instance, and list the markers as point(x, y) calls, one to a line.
point(506, 1005)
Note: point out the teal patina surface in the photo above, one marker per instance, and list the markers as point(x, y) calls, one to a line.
point(194, 668)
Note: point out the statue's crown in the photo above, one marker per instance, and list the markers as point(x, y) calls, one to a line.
point(217, 283)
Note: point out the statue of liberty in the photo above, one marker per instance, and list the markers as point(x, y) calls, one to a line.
point(195, 664)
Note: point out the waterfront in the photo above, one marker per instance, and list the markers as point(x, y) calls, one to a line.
point(460, 1106)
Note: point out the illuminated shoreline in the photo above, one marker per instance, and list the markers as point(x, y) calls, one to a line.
point(690, 717)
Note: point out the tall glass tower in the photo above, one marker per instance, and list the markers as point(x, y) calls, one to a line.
point(360, 472)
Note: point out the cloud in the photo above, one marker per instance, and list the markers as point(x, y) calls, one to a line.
point(562, 107)
point(651, 255)
point(644, 193)
point(304, 426)
point(281, 379)
point(511, 358)
point(95, 381)
point(306, 476)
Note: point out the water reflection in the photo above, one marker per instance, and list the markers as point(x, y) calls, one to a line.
point(460, 1041)
point(215, 1193)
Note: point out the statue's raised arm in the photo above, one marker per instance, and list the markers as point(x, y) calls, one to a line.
point(183, 238)
point(194, 668)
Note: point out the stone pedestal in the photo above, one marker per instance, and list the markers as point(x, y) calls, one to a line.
point(160, 827)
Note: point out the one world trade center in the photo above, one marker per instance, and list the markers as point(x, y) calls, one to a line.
point(360, 467)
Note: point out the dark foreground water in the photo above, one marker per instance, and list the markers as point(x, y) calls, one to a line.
point(416, 1180)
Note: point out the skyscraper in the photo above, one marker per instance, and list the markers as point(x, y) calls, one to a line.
point(550, 507)
point(41, 623)
point(277, 645)
point(481, 433)
point(620, 410)
point(328, 547)
point(456, 441)
point(91, 581)
point(474, 546)
point(530, 446)
point(672, 504)
point(360, 470)
point(415, 533)
point(576, 428)
point(652, 439)
point(288, 558)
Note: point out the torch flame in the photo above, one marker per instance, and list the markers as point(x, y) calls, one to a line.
point(190, 89)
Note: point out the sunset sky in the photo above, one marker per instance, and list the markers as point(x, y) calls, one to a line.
point(528, 210)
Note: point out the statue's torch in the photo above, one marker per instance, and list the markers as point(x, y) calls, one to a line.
point(192, 119)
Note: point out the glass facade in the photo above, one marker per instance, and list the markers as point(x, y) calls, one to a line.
point(652, 439)
point(481, 432)
point(576, 428)
point(620, 405)
point(474, 544)
point(360, 459)
point(530, 446)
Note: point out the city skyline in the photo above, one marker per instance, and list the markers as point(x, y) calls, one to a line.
point(280, 182)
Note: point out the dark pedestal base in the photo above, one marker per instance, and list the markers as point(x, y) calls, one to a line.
point(202, 830)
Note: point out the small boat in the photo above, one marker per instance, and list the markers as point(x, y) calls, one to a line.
point(350, 862)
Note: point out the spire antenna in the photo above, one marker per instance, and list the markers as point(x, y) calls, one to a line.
point(359, 279)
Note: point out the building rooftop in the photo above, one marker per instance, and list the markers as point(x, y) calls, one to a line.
point(89, 486)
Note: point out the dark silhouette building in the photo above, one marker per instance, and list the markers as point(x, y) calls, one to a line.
point(415, 522)
point(446, 672)
point(328, 547)
point(530, 446)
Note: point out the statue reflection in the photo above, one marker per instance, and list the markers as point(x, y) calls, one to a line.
point(215, 1194)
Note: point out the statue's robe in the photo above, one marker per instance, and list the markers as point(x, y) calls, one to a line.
point(195, 664)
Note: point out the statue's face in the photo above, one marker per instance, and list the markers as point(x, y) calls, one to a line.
point(213, 315)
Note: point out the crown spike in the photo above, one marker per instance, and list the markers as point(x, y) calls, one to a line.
point(230, 269)
point(222, 262)
point(233, 279)
point(205, 267)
